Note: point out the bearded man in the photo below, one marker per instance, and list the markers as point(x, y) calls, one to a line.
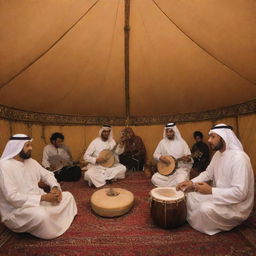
point(173, 145)
point(229, 200)
point(24, 206)
point(97, 174)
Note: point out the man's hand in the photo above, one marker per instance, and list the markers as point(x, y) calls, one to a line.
point(164, 159)
point(56, 191)
point(186, 159)
point(100, 160)
point(185, 186)
point(50, 197)
point(203, 188)
point(53, 167)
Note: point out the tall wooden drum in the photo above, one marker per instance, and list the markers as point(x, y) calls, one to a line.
point(112, 202)
point(168, 207)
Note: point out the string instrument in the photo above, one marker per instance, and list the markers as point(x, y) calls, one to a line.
point(197, 154)
point(109, 157)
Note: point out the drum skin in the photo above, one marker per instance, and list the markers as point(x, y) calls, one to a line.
point(167, 169)
point(112, 206)
point(168, 214)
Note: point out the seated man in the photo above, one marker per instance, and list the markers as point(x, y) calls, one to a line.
point(200, 152)
point(24, 206)
point(98, 174)
point(172, 145)
point(132, 149)
point(57, 158)
point(229, 201)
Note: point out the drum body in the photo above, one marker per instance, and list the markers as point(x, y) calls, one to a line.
point(168, 207)
point(108, 202)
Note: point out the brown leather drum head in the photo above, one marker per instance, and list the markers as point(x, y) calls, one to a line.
point(167, 169)
point(109, 156)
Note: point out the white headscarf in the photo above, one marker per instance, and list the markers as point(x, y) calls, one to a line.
point(227, 134)
point(172, 126)
point(14, 146)
point(106, 128)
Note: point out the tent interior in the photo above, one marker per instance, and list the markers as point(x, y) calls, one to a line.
point(70, 66)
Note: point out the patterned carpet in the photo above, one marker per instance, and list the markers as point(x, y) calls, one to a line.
point(131, 234)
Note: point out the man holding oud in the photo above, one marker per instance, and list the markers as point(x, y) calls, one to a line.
point(103, 163)
point(57, 158)
point(172, 148)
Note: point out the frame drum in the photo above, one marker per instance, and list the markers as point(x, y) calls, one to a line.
point(168, 207)
point(167, 169)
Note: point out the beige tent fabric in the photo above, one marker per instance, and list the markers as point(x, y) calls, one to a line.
point(82, 74)
point(175, 73)
point(185, 56)
point(28, 28)
point(226, 29)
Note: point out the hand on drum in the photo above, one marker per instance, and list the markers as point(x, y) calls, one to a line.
point(185, 186)
point(100, 160)
point(164, 160)
point(57, 192)
point(185, 159)
point(203, 188)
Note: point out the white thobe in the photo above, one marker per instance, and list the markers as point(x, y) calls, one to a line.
point(176, 148)
point(96, 173)
point(20, 200)
point(232, 195)
point(51, 151)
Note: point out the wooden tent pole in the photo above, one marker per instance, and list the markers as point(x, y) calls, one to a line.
point(127, 59)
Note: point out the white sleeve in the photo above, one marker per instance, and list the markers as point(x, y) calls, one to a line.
point(48, 177)
point(12, 193)
point(88, 155)
point(158, 152)
point(119, 149)
point(207, 174)
point(239, 186)
point(186, 149)
point(45, 161)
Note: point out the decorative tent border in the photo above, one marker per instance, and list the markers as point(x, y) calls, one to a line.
point(13, 114)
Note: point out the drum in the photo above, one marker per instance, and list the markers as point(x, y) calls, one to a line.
point(167, 169)
point(112, 202)
point(168, 207)
point(109, 156)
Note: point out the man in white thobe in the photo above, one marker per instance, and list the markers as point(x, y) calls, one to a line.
point(229, 200)
point(24, 206)
point(173, 145)
point(97, 174)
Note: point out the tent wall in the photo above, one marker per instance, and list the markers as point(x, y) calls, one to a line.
point(79, 137)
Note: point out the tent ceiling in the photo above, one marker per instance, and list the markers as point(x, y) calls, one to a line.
point(67, 57)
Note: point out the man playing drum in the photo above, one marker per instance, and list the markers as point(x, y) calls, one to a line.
point(173, 145)
point(229, 200)
point(98, 174)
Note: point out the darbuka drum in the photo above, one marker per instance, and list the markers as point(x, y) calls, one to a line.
point(167, 169)
point(114, 202)
point(109, 156)
point(168, 207)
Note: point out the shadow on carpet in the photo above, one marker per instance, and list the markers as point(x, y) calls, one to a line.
point(131, 234)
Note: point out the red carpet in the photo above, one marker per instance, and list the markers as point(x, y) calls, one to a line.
point(133, 233)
